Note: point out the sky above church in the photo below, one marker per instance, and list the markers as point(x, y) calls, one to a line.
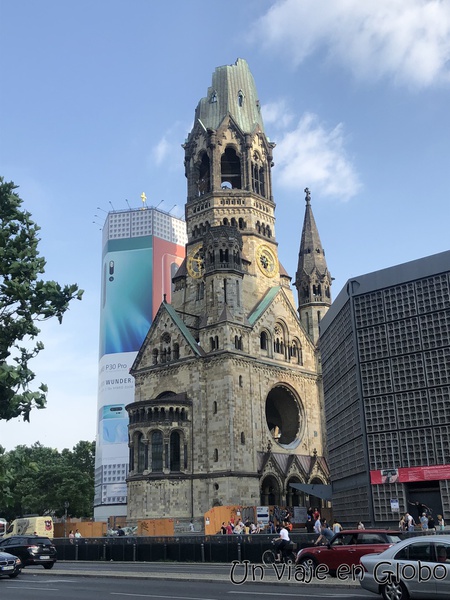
point(98, 96)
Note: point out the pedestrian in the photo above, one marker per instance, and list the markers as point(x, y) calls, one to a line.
point(77, 534)
point(325, 533)
point(409, 522)
point(424, 522)
point(71, 536)
point(191, 526)
point(421, 508)
point(431, 524)
point(441, 523)
point(361, 525)
point(120, 531)
point(309, 524)
point(337, 527)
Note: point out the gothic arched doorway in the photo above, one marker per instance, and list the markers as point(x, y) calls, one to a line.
point(294, 497)
point(270, 491)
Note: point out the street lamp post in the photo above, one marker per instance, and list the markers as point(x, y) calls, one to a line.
point(66, 506)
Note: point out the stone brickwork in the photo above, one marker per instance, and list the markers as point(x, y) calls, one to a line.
point(228, 407)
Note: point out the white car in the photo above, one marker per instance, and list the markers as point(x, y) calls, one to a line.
point(418, 567)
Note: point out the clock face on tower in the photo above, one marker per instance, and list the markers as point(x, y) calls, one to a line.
point(194, 264)
point(266, 260)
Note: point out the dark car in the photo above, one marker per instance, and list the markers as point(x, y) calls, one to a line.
point(31, 549)
point(346, 548)
point(10, 565)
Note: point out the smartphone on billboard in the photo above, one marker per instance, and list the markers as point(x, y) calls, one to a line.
point(114, 424)
point(126, 302)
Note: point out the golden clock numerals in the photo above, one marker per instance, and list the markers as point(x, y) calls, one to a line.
point(195, 265)
point(267, 261)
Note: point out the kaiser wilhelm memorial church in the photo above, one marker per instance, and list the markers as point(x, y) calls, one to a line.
point(228, 406)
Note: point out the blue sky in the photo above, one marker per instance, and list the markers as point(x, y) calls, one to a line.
point(98, 96)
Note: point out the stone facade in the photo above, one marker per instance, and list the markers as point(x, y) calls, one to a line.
point(228, 406)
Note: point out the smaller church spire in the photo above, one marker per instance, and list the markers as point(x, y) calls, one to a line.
point(312, 280)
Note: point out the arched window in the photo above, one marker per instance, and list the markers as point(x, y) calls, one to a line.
point(155, 356)
point(258, 176)
point(263, 340)
point(204, 175)
point(157, 451)
point(215, 407)
point(242, 437)
point(216, 455)
point(230, 169)
point(175, 453)
point(142, 463)
point(176, 351)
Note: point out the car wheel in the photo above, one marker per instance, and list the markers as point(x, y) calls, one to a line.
point(395, 590)
point(48, 565)
point(309, 564)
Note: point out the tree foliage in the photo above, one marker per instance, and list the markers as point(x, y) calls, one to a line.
point(40, 481)
point(25, 299)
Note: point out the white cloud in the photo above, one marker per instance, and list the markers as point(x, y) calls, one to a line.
point(407, 41)
point(310, 155)
point(161, 151)
point(277, 113)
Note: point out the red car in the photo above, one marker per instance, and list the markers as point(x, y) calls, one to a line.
point(346, 548)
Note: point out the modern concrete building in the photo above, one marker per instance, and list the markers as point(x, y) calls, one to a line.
point(228, 406)
point(142, 249)
point(385, 346)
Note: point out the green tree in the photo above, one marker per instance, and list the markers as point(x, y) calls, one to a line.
point(42, 479)
point(25, 299)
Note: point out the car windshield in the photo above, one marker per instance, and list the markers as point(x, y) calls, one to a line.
point(43, 541)
point(393, 539)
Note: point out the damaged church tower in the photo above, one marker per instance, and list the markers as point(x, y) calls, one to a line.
point(228, 406)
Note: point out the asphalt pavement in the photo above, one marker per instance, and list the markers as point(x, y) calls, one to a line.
point(236, 572)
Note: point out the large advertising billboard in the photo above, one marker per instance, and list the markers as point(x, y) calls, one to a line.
point(167, 257)
point(136, 276)
point(126, 295)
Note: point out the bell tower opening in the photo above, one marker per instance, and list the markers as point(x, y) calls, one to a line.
point(230, 169)
point(204, 175)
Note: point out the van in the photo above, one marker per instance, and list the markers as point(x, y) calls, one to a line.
point(42, 526)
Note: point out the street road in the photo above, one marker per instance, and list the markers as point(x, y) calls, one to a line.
point(33, 586)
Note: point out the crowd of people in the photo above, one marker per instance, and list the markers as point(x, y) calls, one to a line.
point(316, 524)
point(248, 527)
point(424, 520)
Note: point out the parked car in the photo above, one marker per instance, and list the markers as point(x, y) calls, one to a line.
point(10, 565)
point(418, 567)
point(346, 548)
point(31, 549)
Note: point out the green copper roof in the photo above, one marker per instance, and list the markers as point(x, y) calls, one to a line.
point(233, 91)
point(265, 302)
point(184, 330)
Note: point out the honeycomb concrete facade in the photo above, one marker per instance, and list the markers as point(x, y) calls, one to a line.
point(385, 347)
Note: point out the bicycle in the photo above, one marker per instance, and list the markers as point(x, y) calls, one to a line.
point(269, 556)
